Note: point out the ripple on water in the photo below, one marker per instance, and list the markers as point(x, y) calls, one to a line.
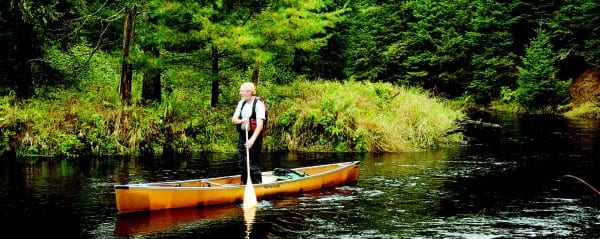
point(555, 217)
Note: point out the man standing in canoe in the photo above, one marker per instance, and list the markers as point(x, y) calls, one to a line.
point(249, 111)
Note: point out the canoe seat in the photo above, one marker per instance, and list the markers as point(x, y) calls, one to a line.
point(269, 178)
point(230, 185)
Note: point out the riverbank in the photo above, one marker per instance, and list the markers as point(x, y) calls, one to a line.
point(305, 116)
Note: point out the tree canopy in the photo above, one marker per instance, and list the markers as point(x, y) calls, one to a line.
point(455, 49)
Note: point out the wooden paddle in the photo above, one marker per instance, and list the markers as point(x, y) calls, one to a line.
point(249, 193)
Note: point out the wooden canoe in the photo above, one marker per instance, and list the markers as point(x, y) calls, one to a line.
point(229, 189)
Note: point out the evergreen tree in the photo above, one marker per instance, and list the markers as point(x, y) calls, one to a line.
point(220, 36)
point(537, 83)
point(490, 40)
point(575, 30)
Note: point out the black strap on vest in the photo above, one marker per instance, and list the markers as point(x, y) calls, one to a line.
point(253, 115)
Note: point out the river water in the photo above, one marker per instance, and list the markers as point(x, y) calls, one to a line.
point(501, 183)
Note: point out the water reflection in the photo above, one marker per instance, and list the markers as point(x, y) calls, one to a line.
point(504, 184)
point(249, 215)
point(173, 221)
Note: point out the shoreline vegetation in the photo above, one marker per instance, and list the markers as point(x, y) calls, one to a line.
point(305, 116)
point(86, 117)
point(71, 89)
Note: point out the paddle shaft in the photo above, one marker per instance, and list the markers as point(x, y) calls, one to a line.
point(247, 160)
point(249, 193)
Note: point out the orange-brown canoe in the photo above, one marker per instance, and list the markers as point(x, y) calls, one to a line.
point(229, 189)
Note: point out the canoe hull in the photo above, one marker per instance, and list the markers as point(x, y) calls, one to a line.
point(227, 190)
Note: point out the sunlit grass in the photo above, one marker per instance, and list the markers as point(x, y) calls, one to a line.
point(311, 116)
point(588, 110)
point(362, 116)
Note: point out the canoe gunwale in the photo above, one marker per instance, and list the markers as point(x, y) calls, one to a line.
point(173, 185)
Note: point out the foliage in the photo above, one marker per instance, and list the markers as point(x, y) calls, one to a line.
point(305, 116)
point(61, 62)
point(511, 107)
point(576, 32)
point(9, 122)
point(453, 48)
point(537, 83)
point(359, 116)
point(490, 40)
point(31, 29)
point(218, 38)
point(588, 110)
point(460, 48)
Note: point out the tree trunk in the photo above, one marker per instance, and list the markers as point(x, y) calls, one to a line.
point(214, 93)
point(151, 88)
point(23, 77)
point(256, 74)
point(126, 67)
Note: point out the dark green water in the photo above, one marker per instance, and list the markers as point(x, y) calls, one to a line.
point(501, 184)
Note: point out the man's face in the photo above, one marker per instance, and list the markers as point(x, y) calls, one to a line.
point(245, 93)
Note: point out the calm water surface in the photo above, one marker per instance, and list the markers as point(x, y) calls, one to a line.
point(505, 183)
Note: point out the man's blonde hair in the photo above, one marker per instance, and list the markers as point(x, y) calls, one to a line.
point(249, 86)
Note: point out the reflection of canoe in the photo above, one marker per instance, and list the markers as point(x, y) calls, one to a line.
point(152, 222)
point(229, 189)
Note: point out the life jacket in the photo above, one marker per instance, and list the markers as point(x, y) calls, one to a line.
point(253, 116)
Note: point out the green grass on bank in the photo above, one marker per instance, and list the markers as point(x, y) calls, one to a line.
point(360, 116)
point(304, 116)
point(589, 110)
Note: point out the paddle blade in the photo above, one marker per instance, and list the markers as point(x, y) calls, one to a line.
point(249, 195)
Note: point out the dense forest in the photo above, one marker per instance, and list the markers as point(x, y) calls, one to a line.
point(160, 54)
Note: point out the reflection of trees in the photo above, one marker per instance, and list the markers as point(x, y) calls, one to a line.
point(407, 181)
point(403, 164)
point(585, 133)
